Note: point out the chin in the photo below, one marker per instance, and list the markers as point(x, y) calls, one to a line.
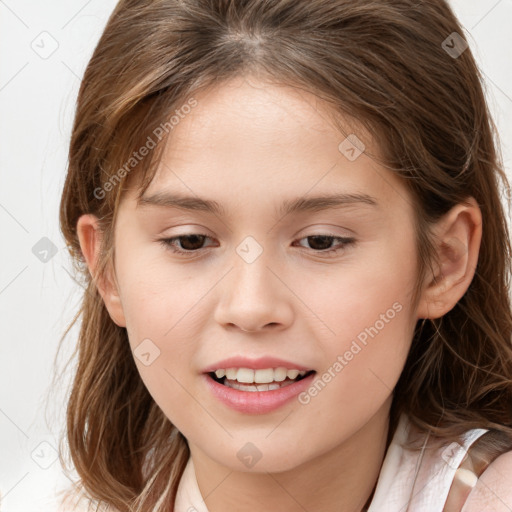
point(249, 459)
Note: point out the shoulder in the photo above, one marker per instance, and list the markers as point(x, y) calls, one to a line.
point(493, 490)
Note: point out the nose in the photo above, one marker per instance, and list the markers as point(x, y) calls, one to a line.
point(253, 297)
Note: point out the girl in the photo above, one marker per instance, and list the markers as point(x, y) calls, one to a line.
point(297, 262)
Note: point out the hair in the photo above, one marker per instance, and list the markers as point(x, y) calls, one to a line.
point(379, 62)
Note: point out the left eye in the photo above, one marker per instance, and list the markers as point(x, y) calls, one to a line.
point(324, 240)
point(192, 243)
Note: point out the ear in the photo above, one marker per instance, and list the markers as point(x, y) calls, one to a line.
point(90, 236)
point(458, 237)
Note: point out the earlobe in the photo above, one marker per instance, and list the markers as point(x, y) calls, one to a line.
point(90, 237)
point(457, 238)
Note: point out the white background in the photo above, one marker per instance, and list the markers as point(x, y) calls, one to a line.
point(38, 300)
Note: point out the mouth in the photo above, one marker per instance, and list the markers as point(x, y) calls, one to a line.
point(260, 380)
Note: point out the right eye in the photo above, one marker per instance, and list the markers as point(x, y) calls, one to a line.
point(192, 243)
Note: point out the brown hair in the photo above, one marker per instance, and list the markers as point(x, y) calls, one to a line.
point(380, 62)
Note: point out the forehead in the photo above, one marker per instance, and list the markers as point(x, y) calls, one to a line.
point(248, 138)
point(257, 114)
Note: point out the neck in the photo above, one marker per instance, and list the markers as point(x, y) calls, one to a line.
point(342, 480)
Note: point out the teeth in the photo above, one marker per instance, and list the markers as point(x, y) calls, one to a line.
point(292, 374)
point(257, 387)
point(280, 374)
point(245, 375)
point(231, 373)
point(262, 376)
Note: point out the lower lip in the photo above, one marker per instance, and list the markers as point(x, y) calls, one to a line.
point(257, 402)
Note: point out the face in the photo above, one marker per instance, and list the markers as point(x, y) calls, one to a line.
point(270, 277)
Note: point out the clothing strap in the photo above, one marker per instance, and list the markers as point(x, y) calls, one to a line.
point(479, 456)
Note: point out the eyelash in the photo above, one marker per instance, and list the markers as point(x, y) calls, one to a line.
point(168, 243)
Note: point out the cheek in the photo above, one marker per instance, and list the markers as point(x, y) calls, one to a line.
point(157, 296)
point(164, 313)
point(367, 327)
point(160, 323)
point(353, 295)
point(160, 303)
point(363, 363)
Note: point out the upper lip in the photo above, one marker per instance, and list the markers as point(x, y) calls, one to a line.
point(255, 364)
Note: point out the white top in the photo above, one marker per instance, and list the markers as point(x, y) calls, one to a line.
point(424, 477)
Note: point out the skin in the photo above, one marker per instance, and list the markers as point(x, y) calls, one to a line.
point(250, 145)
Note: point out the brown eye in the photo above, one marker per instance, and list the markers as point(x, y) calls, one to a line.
point(320, 242)
point(191, 242)
point(323, 243)
point(185, 244)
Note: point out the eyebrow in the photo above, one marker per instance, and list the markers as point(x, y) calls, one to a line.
point(299, 204)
